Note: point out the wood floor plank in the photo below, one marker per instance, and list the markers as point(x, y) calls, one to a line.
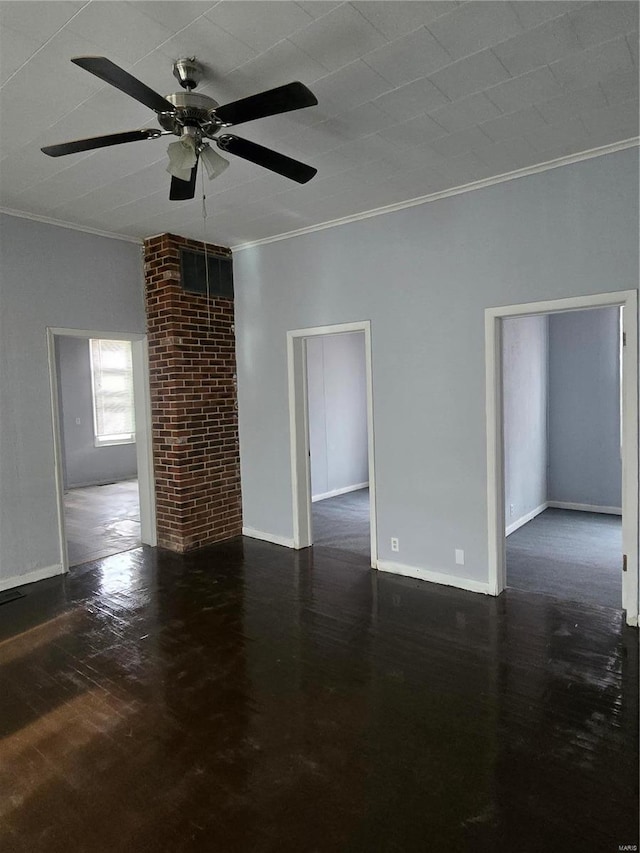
point(248, 698)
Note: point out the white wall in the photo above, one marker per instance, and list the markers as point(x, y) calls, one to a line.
point(525, 394)
point(53, 277)
point(584, 408)
point(337, 398)
point(423, 277)
point(84, 463)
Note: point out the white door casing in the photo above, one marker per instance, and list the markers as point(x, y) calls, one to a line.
point(144, 450)
point(299, 430)
point(628, 300)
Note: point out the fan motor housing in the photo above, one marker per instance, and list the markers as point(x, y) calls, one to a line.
point(192, 108)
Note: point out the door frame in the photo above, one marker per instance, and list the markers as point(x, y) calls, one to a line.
point(627, 299)
point(299, 430)
point(142, 409)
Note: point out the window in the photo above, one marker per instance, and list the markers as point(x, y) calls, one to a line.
point(112, 390)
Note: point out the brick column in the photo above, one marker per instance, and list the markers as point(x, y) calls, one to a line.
point(192, 369)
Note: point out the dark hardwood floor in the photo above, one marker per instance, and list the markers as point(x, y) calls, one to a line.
point(248, 698)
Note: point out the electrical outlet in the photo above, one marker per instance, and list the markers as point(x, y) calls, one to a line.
point(512, 508)
point(459, 557)
point(395, 545)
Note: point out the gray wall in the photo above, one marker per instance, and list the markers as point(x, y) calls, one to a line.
point(584, 408)
point(56, 277)
point(337, 396)
point(525, 386)
point(84, 463)
point(424, 276)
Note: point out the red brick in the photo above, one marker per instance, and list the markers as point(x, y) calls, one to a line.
point(193, 401)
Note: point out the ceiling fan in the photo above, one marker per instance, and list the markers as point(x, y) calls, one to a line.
point(195, 118)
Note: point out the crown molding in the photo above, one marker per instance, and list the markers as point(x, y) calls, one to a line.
point(464, 188)
point(74, 226)
point(367, 214)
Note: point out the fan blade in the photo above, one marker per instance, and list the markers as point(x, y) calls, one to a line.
point(121, 79)
point(293, 96)
point(267, 158)
point(183, 190)
point(98, 142)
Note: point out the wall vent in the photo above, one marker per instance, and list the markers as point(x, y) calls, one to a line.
point(193, 273)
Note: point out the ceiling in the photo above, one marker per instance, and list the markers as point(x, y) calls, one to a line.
point(414, 98)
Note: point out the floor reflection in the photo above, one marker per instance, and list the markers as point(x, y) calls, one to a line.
point(570, 687)
point(251, 698)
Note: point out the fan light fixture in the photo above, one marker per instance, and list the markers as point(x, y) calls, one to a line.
point(181, 161)
point(213, 162)
point(182, 156)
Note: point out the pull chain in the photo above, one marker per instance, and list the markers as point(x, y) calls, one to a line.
point(204, 240)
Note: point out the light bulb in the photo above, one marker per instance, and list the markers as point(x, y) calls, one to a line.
point(188, 142)
point(213, 162)
point(182, 159)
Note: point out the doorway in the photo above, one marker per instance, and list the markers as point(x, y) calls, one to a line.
point(102, 446)
point(499, 504)
point(338, 453)
point(562, 464)
point(332, 456)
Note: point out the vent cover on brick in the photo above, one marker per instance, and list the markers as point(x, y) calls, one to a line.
point(194, 277)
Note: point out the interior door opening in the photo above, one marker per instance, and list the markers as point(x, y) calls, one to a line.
point(100, 410)
point(331, 420)
point(561, 383)
point(585, 493)
point(338, 451)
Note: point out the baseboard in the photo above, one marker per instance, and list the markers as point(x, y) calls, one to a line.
point(267, 537)
point(607, 510)
point(524, 519)
point(336, 492)
point(31, 577)
point(433, 577)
